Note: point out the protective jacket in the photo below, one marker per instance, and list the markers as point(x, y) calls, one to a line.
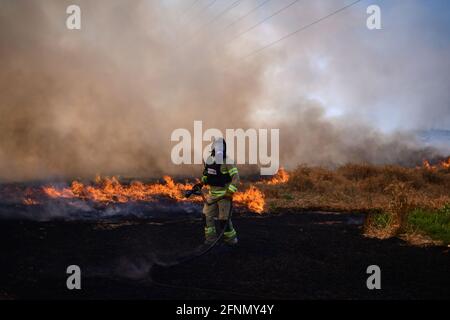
point(220, 177)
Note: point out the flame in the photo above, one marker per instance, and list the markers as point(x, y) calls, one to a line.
point(55, 193)
point(253, 198)
point(280, 177)
point(30, 201)
point(444, 164)
point(111, 190)
point(426, 165)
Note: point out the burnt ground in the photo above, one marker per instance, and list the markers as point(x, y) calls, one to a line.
point(287, 256)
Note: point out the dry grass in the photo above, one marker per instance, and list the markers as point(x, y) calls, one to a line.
point(389, 194)
point(363, 188)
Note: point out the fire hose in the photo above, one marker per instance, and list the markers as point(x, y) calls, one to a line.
point(196, 190)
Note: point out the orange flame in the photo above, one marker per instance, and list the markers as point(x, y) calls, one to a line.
point(444, 164)
point(253, 198)
point(110, 190)
point(281, 177)
point(426, 164)
point(30, 201)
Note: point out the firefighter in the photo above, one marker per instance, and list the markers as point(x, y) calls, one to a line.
point(223, 179)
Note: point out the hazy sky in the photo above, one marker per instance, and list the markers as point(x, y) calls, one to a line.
point(394, 78)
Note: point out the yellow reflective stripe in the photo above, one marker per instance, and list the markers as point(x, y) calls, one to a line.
point(232, 188)
point(232, 171)
point(221, 192)
point(230, 234)
point(210, 231)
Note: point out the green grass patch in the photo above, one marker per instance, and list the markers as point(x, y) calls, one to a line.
point(381, 220)
point(435, 224)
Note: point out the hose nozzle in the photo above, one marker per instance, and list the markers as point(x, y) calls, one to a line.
point(196, 190)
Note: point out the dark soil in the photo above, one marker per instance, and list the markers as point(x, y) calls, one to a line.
point(288, 256)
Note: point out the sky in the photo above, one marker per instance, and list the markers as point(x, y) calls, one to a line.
point(394, 78)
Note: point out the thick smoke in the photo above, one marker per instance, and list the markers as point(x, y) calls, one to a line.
point(105, 99)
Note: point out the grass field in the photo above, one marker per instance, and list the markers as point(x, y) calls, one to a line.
point(399, 200)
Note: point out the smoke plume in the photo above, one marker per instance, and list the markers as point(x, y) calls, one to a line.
point(105, 99)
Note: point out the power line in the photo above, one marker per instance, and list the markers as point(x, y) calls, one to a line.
point(197, 32)
point(247, 14)
point(265, 19)
point(234, 4)
point(303, 28)
point(198, 11)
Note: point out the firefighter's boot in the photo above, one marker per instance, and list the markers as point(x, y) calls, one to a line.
point(210, 235)
point(230, 234)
